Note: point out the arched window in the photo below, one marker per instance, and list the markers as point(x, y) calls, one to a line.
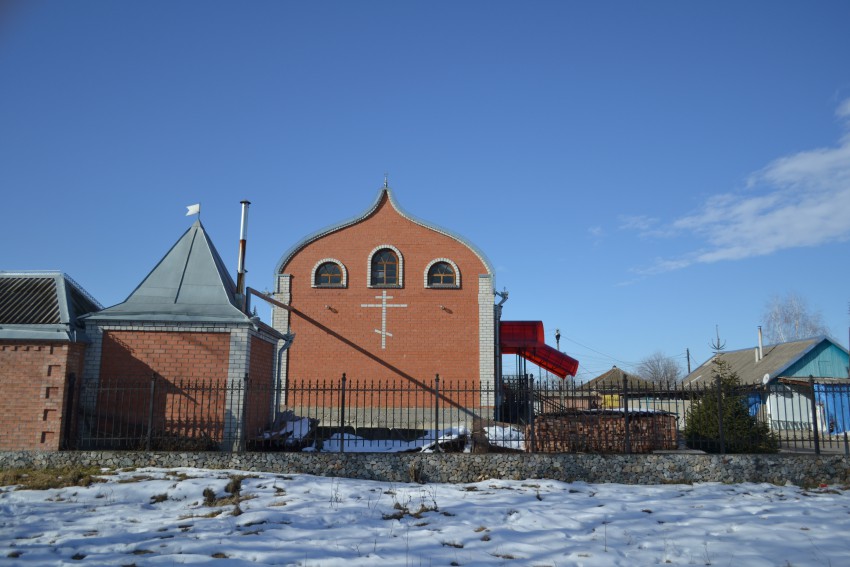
point(329, 273)
point(385, 268)
point(442, 272)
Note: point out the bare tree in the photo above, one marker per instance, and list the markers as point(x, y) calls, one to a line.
point(789, 318)
point(659, 368)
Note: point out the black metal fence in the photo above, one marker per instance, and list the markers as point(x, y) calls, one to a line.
point(518, 413)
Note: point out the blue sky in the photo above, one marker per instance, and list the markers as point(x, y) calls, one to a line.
point(637, 172)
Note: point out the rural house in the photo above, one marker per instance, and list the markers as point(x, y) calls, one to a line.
point(780, 376)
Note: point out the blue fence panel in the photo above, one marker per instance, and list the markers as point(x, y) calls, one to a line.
point(835, 400)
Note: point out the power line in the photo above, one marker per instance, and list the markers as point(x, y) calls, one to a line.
point(599, 352)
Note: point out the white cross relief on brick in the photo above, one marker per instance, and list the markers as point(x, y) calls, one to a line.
point(383, 305)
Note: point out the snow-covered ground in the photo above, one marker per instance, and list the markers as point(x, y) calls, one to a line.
point(507, 437)
point(298, 429)
point(192, 516)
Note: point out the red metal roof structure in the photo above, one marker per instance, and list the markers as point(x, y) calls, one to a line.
point(526, 339)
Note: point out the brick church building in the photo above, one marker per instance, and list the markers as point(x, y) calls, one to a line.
point(381, 298)
point(386, 296)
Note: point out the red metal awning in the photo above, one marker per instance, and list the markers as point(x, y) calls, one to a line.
point(526, 339)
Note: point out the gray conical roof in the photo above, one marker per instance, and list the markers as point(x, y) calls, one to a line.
point(189, 284)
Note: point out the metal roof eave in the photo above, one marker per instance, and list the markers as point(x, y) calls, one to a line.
point(61, 333)
point(237, 321)
point(235, 316)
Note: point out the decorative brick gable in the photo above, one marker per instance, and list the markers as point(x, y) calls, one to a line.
point(400, 334)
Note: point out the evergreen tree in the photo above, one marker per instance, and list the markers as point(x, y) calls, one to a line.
point(742, 433)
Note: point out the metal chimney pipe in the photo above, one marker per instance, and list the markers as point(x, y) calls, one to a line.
point(243, 238)
point(761, 347)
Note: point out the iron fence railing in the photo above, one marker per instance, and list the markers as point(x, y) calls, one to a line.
point(517, 413)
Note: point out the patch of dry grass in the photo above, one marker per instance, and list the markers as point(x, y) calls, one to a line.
point(44, 479)
point(234, 489)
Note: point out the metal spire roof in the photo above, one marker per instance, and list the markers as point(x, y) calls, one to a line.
point(190, 283)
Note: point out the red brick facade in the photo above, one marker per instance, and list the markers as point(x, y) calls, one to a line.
point(34, 380)
point(168, 368)
point(260, 387)
point(177, 360)
point(174, 356)
point(195, 361)
point(198, 393)
point(428, 330)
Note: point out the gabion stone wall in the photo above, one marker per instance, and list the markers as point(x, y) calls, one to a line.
point(802, 470)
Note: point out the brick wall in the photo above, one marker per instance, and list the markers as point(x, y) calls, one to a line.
point(433, 331)
point(185, 364)
point(34, 382)
point(134, 355)
point(260, 387)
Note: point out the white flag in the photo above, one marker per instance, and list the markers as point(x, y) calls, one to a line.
point(193, 210)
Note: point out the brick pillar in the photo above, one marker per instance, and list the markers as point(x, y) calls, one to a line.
point(90, 382)
point(91, 366)
point(280, 322)
point(237, 368)
point(486, 339)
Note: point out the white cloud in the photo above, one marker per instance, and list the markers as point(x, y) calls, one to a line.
point(843, 110)
point(596, 231)
point(642, 223)
point(795, 201)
